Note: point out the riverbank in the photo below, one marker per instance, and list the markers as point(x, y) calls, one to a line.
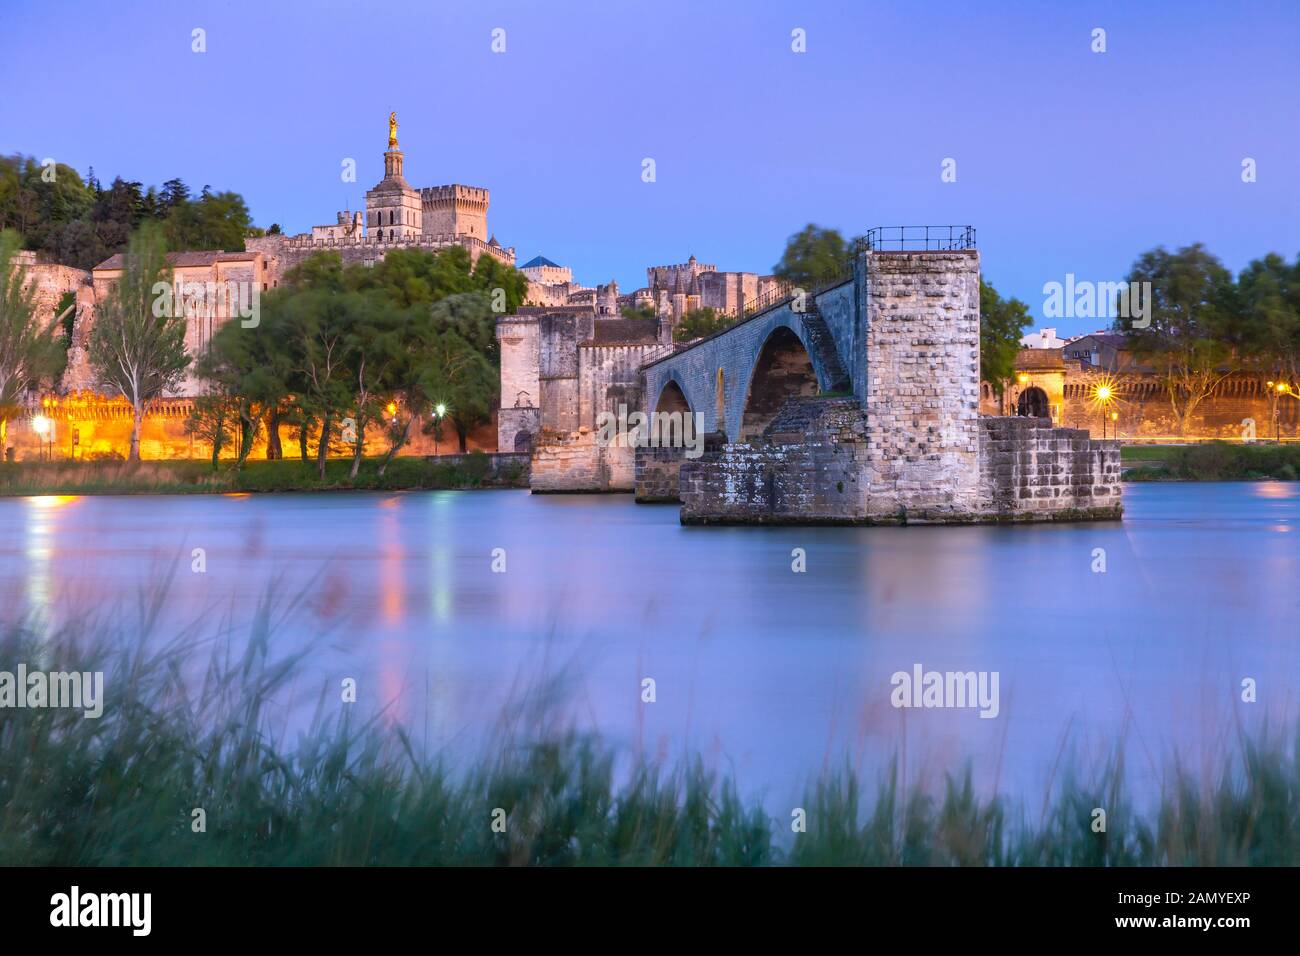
point(166, 779)
point(474, 470)
point(1211, 461)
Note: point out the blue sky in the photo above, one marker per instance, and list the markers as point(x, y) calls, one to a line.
point(1067, 160)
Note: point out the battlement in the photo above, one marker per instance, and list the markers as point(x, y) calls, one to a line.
point(362, 248)
point(455, 193)
point(684, 267)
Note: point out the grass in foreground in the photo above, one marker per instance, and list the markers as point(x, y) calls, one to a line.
point(195, 477)
point(121, 790)
point(1211, 461)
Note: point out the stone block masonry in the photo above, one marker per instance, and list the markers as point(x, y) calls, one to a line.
point(812, 465)
point(908, 446)
point(576, 463)
point(1030, 471)
point(658, 472)
point(807, 468)
point(922, 342)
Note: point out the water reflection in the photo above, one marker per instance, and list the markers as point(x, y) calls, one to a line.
point(774, 673)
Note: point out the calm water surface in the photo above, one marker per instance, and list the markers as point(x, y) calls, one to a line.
point(768, 673)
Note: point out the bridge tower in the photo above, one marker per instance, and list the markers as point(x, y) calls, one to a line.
point(921, 363)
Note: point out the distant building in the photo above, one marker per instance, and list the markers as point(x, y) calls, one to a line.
point(1102, 350)
point(397, 216)
point(543, 271)
point(1042, 339)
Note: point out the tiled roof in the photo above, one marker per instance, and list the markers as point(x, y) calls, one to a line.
point(624, 332)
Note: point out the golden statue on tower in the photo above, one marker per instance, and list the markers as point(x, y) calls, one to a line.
point(392, 130)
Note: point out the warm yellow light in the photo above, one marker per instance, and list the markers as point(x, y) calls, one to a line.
point(1103, 392)
point(1281, 386)
point(1022, 378)
point(51, 501)
point(41, 425)
point(392, 408)
point(1114, 416)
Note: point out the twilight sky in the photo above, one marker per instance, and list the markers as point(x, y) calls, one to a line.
point(1068, 161)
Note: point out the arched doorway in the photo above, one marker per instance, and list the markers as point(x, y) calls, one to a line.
point(783, 370)
point(1032, 403)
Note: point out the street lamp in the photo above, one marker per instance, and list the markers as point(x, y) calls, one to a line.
point(1114, 432)
point(438, 411)
point(1282, 389)
point(44, 428)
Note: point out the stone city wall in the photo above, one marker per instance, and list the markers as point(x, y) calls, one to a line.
point(575, 462)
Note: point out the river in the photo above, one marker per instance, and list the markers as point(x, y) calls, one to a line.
point(767, 672)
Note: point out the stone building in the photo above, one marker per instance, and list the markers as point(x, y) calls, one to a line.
point(690, 285)
point(561, 367)
point(397, 216)
point(213, 287)
point(1094, 382)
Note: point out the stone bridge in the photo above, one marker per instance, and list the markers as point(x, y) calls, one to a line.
point(802, 344)
point(858, 402)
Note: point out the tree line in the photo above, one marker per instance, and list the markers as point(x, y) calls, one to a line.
point(1204, 324)
point(82, 222)
point(342, 352)
point(335, 353)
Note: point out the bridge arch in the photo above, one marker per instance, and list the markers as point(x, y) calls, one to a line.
point(672, 398)
point(782, 369)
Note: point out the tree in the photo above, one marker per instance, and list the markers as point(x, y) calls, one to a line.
point(459, 361)
point(1002, 324)
point(1268, 292)
point(28, 353)
point(83, 223)
point(491, 275)
point(214, 420)
point(1191, 341)
point(698, 323)
point(646, 312)
point(316, 336)
point(464, 381)
point(814, 256)
point(376, 355)
point(137, 348)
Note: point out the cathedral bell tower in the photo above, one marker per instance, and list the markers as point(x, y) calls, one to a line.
point(394, 210)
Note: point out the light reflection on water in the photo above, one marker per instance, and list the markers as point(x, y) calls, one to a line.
point(770, 673)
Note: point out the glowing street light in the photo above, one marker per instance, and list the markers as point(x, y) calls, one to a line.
point(44, 428)
point(438, 411)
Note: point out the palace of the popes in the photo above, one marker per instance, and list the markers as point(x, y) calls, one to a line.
point(856, 401)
